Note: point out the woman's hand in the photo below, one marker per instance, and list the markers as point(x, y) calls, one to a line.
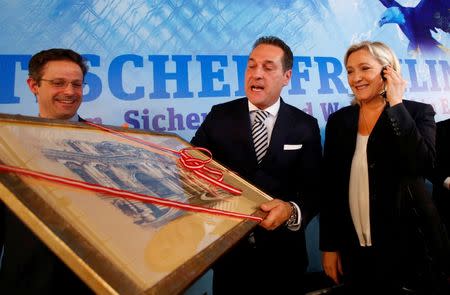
point(395, 86)
point(331, 263)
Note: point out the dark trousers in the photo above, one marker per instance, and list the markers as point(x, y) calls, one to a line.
point(245, 270)
point(28, 266)
point(367, 271)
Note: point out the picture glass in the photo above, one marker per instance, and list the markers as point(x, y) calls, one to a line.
point(143, 240)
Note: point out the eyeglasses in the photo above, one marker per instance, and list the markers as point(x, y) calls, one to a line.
point(62, 84)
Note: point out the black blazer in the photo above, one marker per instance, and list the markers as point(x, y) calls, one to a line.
point(442, 171)
point(400, 152)
point(28, 266)
point(290, 175)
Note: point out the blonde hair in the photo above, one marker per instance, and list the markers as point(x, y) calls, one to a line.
point(383, 53)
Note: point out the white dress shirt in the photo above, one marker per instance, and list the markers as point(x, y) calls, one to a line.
point(270, 123)
point(359, 192)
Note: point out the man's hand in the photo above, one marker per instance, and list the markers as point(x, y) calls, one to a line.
point(447, 183)
point(331, 263)
point(278, 213)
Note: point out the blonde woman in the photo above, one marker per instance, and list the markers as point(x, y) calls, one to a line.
point(380, 233)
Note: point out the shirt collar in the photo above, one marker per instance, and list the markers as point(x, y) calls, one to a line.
point(75, 118)
point(273, 109)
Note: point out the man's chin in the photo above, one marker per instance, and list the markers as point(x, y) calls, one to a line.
point(255, 98)
point(67, 111)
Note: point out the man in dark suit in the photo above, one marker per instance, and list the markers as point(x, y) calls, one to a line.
point(273, 258)
point(27, 265)
point(441, 177)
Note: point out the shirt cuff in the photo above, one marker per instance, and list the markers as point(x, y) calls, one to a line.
point(447, 183)
point(296, 225)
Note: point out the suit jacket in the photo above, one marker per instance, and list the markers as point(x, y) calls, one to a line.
point(441, 195)
point(28, 266)
point(290, 175)
point(400, 152)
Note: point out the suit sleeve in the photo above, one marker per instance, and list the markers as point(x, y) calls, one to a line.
point(329, 205)
point(441, 171)
point(311, 165)
point(415, 137)
point(202, 136)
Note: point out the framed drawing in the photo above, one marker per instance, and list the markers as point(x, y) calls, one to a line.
point(119, 245)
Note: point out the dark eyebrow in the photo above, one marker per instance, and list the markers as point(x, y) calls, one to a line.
point(267, 61)
point(270, 62)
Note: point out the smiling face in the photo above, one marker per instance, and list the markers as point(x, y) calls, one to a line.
point(265, 76)
point(58, 102)
point(363, 74)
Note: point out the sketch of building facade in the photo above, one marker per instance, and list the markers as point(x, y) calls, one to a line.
point(139, 170)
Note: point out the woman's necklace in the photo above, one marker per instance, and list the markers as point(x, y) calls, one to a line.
point(369, 116)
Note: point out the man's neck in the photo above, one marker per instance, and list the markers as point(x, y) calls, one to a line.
point(275, 106)
point(74, 118)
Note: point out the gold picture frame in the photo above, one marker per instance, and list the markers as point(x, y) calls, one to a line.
point(116, 245)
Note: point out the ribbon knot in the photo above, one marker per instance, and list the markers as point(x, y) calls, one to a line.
point(198, 165)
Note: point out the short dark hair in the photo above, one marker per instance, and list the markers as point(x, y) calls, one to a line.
point(288, 57)
point(40, 59)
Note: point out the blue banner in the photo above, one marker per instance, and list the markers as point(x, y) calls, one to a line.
point(161, 65)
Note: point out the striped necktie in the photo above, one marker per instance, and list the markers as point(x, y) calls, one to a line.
point(260, 135)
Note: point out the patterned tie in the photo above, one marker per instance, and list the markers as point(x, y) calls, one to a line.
point(260, 135)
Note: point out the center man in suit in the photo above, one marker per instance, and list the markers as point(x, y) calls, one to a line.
point(273, 258)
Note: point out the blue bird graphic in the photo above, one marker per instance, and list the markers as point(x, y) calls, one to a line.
point(418, 22)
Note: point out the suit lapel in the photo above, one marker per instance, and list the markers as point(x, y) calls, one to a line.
point(381, 127)
point(279, 132)
point(352, 126)
point(241, 118)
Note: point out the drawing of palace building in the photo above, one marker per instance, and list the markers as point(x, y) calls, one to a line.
point(139, 170)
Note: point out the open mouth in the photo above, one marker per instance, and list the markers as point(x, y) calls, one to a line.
point(257, 88)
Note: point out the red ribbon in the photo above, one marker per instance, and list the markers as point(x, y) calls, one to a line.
point(124, 194)
point(197, 166)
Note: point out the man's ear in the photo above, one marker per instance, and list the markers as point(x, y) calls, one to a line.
point(287, 77)
point(33, 85)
